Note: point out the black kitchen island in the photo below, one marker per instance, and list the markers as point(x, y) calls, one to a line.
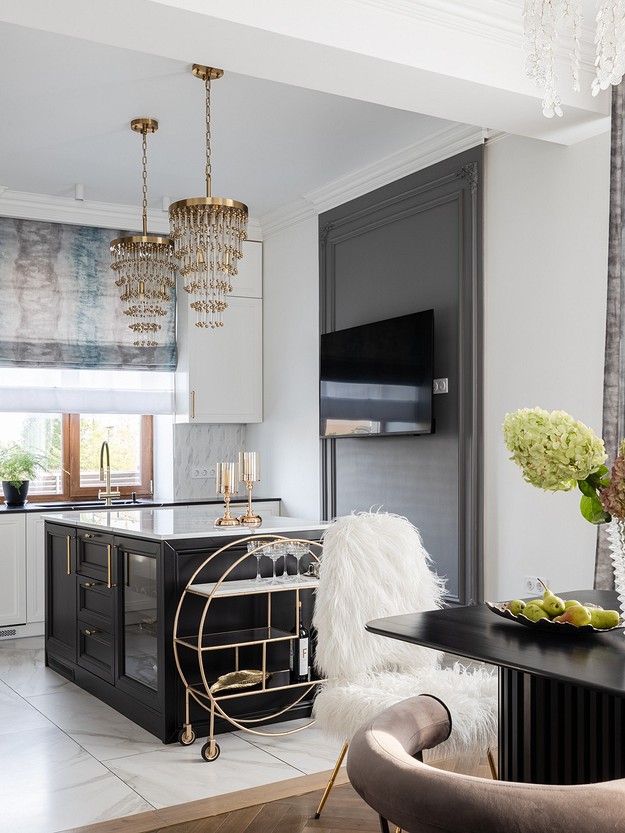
point(113, 583)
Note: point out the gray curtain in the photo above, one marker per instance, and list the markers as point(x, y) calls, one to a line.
point(614, 367)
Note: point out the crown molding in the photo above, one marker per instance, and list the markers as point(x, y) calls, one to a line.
point(496, 20)
point(440, 145)
point(49, 209)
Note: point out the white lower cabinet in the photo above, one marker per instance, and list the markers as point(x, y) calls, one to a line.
point(12, 569)
point(35, 568)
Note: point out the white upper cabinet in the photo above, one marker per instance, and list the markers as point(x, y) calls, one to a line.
point(219, 372)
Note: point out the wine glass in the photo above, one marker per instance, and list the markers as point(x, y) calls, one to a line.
point(275, 551)
point(298, 550)
point(256, 548)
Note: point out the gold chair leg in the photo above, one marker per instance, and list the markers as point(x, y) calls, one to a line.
point(492, 764)
point(330, 783)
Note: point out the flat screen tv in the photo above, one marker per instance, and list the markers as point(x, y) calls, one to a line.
point(376, 379)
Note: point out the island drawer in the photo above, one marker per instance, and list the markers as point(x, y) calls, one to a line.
point(95, 555)
point(96, 650)
point(96, 603)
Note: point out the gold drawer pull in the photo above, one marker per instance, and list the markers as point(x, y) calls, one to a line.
point(88, 632)
point(90, 584)
point(88, 535)
point(69, 555)
point(108, 566)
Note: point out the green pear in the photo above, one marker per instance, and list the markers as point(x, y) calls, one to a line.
point(535, 602)
point(570, 603)
point(515, 606)
point(552, 604)
point(534, 612)
point(603, 618)
point(577, 615)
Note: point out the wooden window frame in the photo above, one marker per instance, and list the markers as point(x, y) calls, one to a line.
point(72, 490)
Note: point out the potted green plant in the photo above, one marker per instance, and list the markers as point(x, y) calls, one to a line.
point(18, 466)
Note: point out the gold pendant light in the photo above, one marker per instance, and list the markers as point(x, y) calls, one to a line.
point(144, 266)
point(208, 234)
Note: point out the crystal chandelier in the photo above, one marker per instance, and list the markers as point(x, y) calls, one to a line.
point(541, 19)
point(143, 264)
point(208, 233)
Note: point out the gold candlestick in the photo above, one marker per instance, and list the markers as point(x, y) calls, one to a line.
point(227, 484)
point(249, 466)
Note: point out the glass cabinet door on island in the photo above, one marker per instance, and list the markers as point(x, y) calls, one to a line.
point(140, 619)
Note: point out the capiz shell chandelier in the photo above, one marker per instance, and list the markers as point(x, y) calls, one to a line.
point(143, 264)
point(541, 21)
point(208, 234)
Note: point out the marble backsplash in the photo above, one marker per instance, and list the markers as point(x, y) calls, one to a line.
point(201, 447)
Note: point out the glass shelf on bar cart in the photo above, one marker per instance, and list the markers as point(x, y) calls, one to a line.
point(229, 639)
point(250, 587)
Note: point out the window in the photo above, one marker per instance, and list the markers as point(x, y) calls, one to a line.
point(72, 443)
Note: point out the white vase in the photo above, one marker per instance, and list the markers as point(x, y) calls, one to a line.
point(616, 536)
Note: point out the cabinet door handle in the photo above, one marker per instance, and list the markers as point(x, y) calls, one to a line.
point(69, 555)
point(88, 632)
point(192, 404)
point(108, 566)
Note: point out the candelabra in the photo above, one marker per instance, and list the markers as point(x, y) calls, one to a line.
point(227, 483)
point(249, 466)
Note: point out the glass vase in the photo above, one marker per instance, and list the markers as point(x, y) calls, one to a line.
point(616, 536)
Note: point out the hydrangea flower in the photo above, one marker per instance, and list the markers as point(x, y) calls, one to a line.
point(613, 496)
point(553, 450)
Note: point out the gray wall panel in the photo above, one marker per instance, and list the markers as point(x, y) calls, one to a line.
point(409, 246)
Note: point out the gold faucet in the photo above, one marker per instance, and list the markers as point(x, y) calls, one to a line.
point(107, 494)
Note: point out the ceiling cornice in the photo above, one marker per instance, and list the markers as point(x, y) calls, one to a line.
point(434, 148)
point(25, 206)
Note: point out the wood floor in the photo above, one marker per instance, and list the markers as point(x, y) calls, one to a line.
point(284, 807)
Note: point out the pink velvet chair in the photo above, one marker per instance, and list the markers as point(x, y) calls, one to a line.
point(384, 767)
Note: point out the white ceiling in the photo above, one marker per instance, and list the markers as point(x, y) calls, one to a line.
point(308, 96)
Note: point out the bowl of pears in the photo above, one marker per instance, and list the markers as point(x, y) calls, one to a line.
point(559, 615)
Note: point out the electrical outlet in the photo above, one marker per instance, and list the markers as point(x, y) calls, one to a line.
point(212, 473)
point(196, 474)
point(440, 386)
point(535, 585)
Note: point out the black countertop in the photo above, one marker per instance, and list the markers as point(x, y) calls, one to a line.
point(69, 505)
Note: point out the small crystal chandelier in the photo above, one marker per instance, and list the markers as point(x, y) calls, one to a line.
point(144, 265)
point(208, 233)
point(540, 21)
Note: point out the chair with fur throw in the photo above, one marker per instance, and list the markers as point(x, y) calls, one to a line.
point(374, 565)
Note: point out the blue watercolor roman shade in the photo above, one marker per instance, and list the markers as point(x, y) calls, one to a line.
point(59, 306)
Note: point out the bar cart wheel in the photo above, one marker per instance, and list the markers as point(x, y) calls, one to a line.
point(208, 754)
point(186, 736)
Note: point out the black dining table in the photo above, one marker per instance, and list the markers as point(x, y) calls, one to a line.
point(561, 693)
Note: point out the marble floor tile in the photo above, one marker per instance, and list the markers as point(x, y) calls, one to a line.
point(17, 712)
point(309, 750)
point(102, 731)
point(48, 783)
point(22, 667)
point(178, 773)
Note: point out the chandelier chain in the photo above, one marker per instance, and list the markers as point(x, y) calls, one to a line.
point(144, 163)
point(208, 134)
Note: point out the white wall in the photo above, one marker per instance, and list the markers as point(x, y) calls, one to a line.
point(545, 262)
point(288, 438)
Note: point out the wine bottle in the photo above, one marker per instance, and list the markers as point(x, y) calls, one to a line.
point(300, 652)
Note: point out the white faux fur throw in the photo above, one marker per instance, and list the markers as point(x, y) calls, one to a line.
point(373, 565)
